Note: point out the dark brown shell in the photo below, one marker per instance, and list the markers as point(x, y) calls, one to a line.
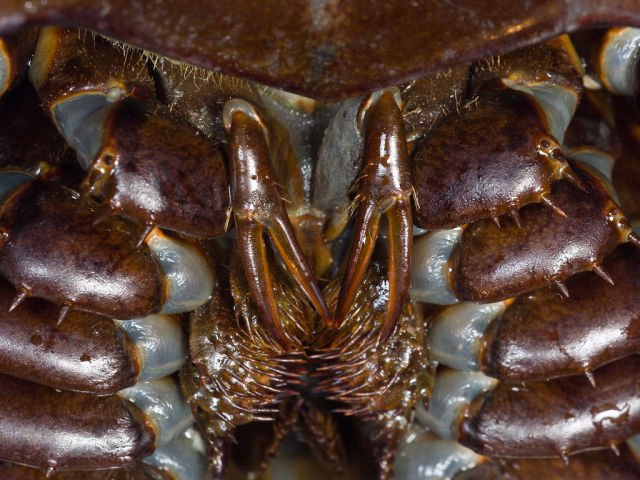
point(543, 335)
point(52, 250)
point(325, 50)
point(532, 421)
point(85, 353)
point(494, 263)
point(138, 471)
point(600, 465)
point(483, 162)
point(102, 432)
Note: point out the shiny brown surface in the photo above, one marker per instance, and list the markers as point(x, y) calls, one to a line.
point(496, 153)
point(135, 472)
point(134, 7)
point(327, 50)
point(384, 187)
point(150, 165)
point(258, 205)
point(561, 416)
point(543, 335)
point(68, 61)
point(599, 465)
point(494, 263)
point(162, 172)
point(85, 352)
point(553, 62)
point(484, 162)
point(63, 430)
point(52, 250)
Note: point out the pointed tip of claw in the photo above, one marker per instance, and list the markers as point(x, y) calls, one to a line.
point(496, 220)
point(323, 310)
point(390, 325)
point(335, 321)
point(385, 335)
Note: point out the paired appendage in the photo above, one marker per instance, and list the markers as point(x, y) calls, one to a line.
point(151, 416)
point(141, 160)
point(52, 249)
point(384, 188)
point(533, 247)
point(483, 263)
point(258, 204)
point(423, 452)
point(94, 379)
point(120, 133)
point(551, 418)
point(539, 335)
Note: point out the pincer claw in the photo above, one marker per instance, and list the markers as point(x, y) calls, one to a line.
point(384, 188)
point(258, 204)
